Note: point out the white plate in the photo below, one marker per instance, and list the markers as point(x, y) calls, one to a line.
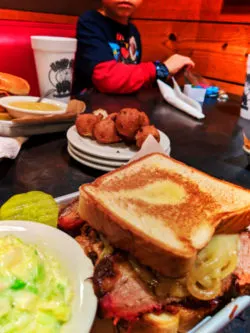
point(97, 160)
point(94, 165)
point(16, 112)
point(76, 264)
point(89, 164)
point(116, 151)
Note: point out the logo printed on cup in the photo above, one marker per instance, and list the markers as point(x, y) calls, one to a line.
point(60, 77)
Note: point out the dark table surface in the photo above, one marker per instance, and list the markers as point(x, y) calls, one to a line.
point(213, 145)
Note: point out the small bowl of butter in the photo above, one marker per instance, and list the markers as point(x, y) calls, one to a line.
point(22, 106)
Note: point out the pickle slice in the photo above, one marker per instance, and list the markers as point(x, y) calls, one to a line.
point(34, 206)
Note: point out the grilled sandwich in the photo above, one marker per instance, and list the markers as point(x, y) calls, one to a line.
point(162, 211)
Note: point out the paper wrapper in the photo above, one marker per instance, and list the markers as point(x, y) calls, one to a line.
point(149, 146)
point(10, 147)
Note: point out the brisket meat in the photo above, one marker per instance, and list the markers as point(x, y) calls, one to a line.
point(121, 291)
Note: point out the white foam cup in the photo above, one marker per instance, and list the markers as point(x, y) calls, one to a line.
point(54, 57)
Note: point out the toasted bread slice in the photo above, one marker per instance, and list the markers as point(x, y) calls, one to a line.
point(13, 84)
point(163, 211)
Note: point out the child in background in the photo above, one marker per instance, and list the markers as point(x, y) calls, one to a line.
point(109, 52)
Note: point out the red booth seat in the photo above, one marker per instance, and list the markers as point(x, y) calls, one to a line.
point(16, 55)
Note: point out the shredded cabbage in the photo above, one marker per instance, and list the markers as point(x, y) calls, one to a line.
point(35, 294)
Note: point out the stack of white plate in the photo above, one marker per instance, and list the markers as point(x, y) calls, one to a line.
point(105, 157)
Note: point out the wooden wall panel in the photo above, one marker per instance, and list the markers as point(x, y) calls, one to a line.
point(214, 33)
point(219, 50)
point(236, 89)
point(170, 9)
point(215, 11)
point(198, 10)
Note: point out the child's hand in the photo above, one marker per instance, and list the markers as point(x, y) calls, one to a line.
point(176, 62)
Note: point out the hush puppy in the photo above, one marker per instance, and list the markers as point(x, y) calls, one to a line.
point(105, 131)
point(144, 132)
point(128, 122)
point(85, 123)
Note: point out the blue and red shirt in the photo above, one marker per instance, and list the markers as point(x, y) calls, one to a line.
point(108, 56)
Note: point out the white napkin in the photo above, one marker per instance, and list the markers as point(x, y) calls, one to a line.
point(179, 100)
point(10, 147)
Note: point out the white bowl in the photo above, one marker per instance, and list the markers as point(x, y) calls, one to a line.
point(16, 112)
point(74, 262)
